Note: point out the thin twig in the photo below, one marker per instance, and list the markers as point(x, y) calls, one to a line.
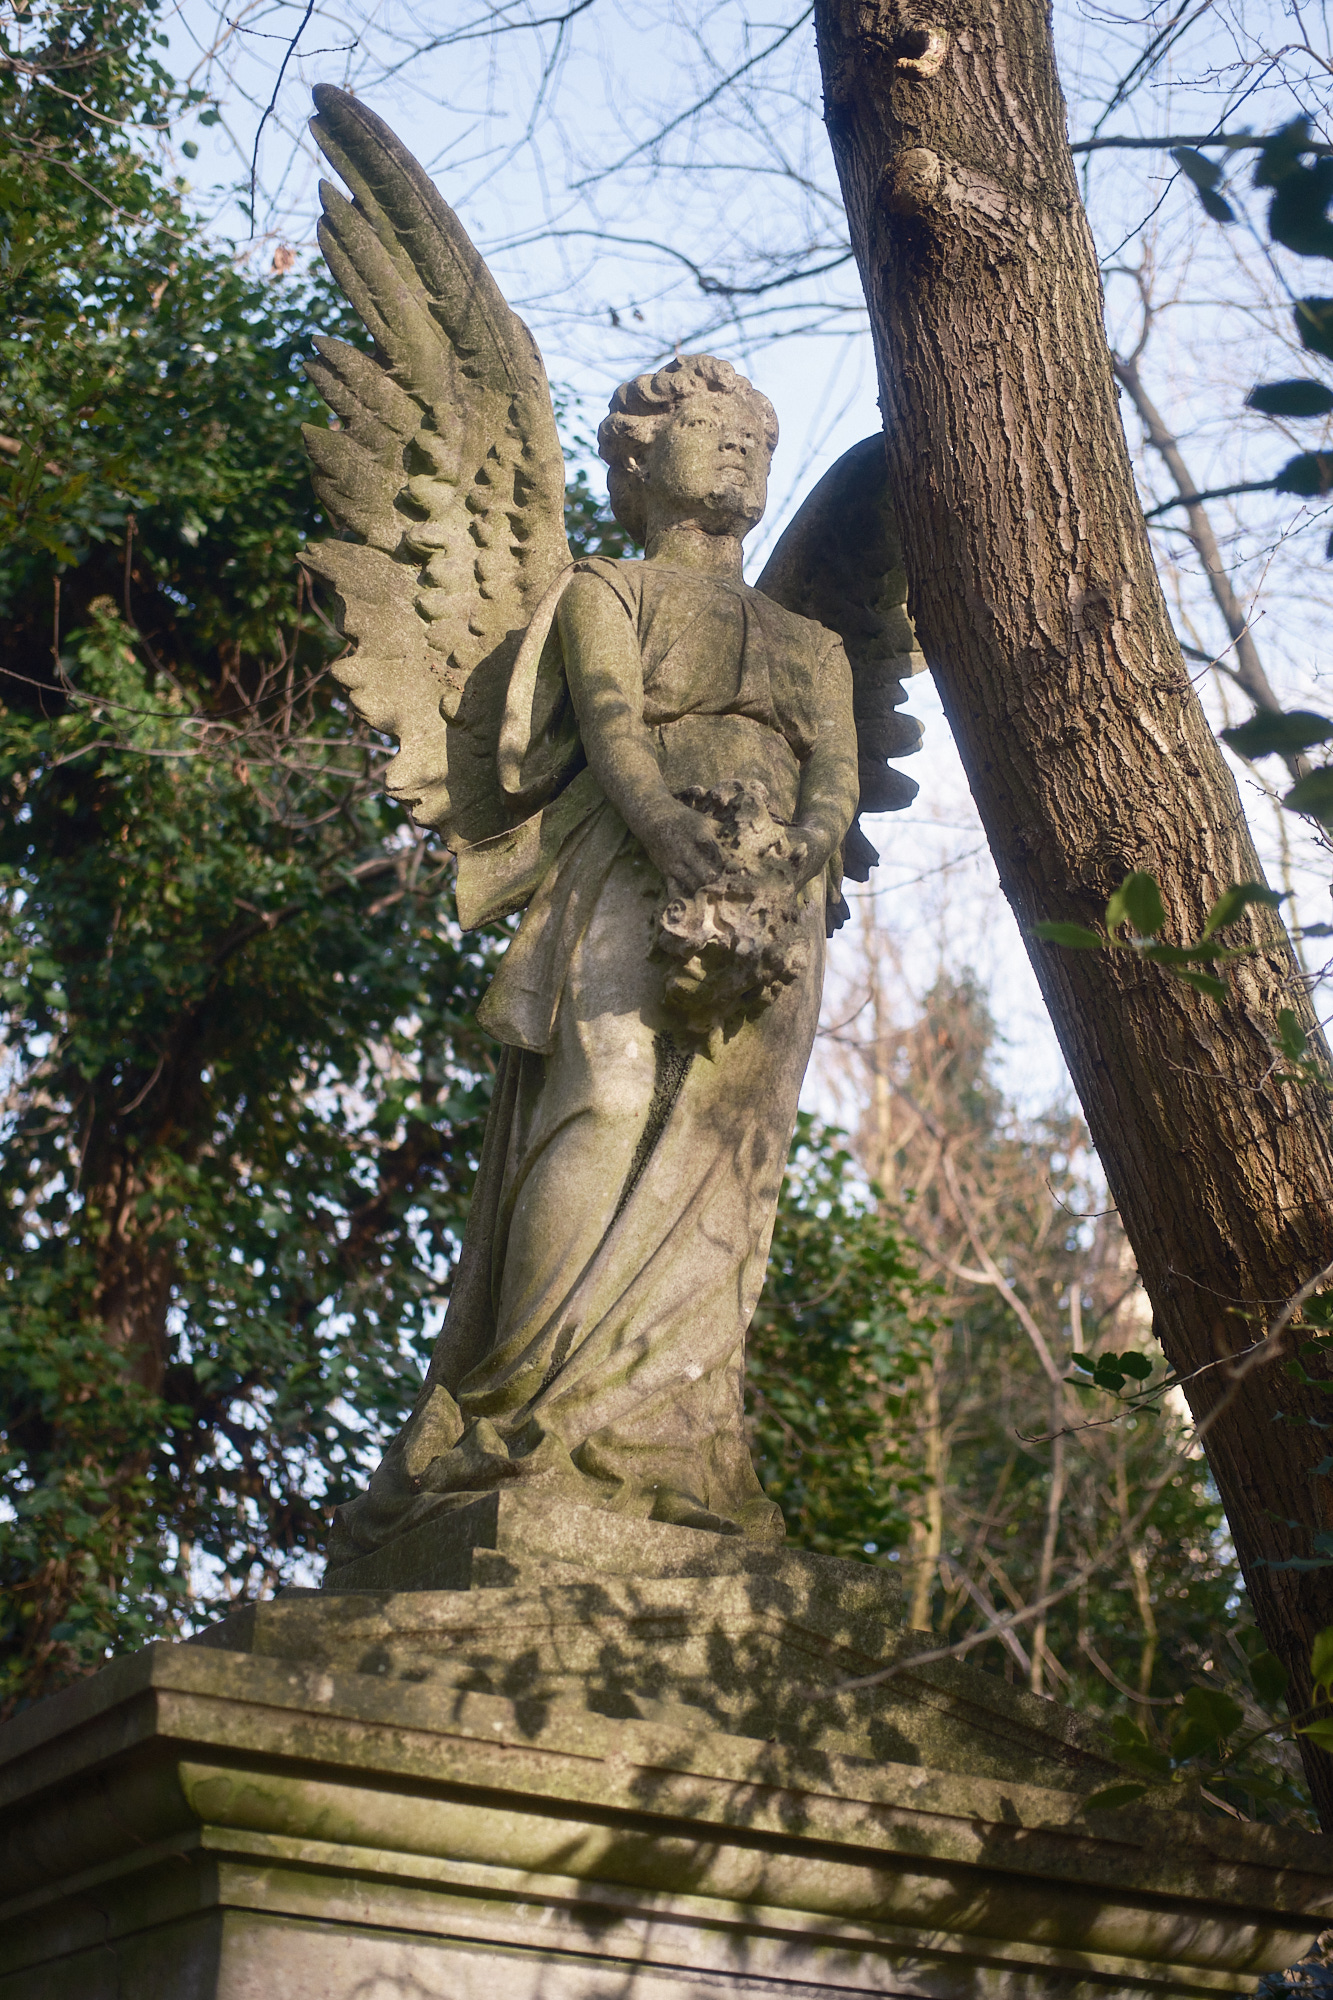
point(993, 1616)
point(1209, 493)
point(268, 109)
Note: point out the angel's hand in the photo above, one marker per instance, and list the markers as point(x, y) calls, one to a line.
point(681, 848)
point(811, 846)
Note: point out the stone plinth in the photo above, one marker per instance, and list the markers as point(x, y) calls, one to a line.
point(562, 1785)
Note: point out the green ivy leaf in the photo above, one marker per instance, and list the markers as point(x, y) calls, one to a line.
point(1292, 1038)
point(1314, 324)
point(1132, 1746)
point(1308, 476)
point(1191, 1740)
point(1073, 936)
point(1280, 154)
point(1270, 1678)
point(1285, 735)
point(1216, 205)
point(1203, 982)
point(1295, 397)
point(1233, 902)
point(1313, 794)
point(1297, 214)
point(1186, 954)
point(1203, 172)
point(1319, 1732)
point(1110, 1797)
point(1211, 1710)
point(1137, 1365)
point(1138, 903)
point(1321, 1659)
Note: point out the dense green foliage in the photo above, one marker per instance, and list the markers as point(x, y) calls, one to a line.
point(245, 1111)
point(839, 1338)
point(243, 1092)
point(151, 383)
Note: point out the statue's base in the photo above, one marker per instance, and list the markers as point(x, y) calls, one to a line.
point(561, 1785)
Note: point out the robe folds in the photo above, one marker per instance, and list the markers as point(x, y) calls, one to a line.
point(617, 1240)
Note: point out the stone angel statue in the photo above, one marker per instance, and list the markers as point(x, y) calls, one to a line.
point(662, 767)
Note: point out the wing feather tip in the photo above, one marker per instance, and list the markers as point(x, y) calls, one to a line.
point(884, 789)
point(858, 855)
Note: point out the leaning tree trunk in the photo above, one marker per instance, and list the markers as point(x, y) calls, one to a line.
point(1038, 606)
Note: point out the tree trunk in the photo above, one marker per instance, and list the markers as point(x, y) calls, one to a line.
point(136, 1267)
point(1037, 604)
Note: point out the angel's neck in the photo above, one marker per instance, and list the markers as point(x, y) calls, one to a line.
point(685, 545)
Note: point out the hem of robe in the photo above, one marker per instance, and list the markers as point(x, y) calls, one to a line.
point(642, 1483)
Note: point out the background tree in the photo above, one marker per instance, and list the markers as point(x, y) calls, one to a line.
point(1017, 1467)
point(244, 1092)
point(951, 154)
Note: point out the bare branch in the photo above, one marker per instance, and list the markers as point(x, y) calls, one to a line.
point(1249, 668)
point(701, 104)
point(1234, 142)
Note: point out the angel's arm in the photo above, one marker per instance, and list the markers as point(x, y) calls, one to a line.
point(605, 675)
point(829, 782)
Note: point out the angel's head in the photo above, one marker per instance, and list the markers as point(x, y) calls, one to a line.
point(692, 442)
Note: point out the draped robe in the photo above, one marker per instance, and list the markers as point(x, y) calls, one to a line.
point(616, 1244)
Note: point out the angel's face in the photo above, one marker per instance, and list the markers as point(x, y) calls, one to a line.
point(709, 465)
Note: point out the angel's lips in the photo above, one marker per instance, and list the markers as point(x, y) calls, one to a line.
point(726, 480)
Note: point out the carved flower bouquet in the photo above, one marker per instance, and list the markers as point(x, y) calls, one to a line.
point(736, 942)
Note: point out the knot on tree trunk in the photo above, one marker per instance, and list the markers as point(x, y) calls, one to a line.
point(920, 51)
point(912, 181)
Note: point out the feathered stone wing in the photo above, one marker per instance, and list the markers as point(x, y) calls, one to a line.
point(445, 471)
point(839, 562)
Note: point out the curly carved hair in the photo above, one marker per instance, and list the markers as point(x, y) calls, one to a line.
point(639, 410)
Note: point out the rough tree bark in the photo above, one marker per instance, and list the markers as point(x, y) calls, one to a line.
point(1037, 604)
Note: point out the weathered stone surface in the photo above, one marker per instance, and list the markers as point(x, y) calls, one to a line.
point(621, 1617)
point(561, 1787)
